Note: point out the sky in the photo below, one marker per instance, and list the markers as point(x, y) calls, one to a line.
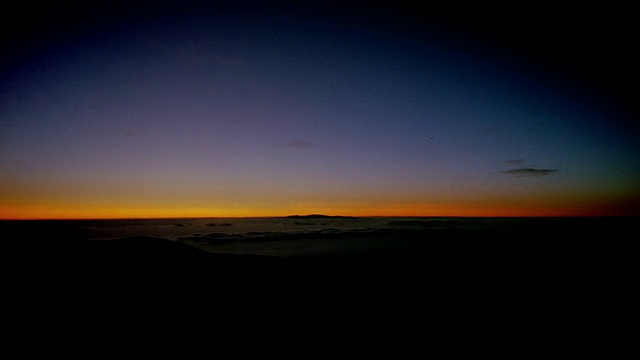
point(246, 110)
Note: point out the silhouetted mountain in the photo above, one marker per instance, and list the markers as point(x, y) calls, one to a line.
point(319, 216)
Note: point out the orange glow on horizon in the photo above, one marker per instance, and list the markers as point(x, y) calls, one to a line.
point(89, 212)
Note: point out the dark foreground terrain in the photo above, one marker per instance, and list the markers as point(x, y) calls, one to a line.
point(548, 288)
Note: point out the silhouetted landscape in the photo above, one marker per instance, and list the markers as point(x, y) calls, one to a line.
point(520, 288)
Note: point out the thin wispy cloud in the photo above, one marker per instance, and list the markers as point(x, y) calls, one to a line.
point(526, 171)
point(122, 131)
point(515, 161)
point(300, 144)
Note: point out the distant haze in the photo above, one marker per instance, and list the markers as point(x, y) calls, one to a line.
point(238, 111)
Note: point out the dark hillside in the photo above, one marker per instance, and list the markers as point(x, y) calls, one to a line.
point(544, 290)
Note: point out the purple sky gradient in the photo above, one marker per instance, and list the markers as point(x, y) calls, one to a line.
point(282, 112)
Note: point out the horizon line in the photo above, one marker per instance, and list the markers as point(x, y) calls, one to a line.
point(345, 216)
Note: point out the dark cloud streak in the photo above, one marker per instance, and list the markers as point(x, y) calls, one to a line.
point(530, 172)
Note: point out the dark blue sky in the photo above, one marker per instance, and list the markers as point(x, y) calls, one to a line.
point(232, 110)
